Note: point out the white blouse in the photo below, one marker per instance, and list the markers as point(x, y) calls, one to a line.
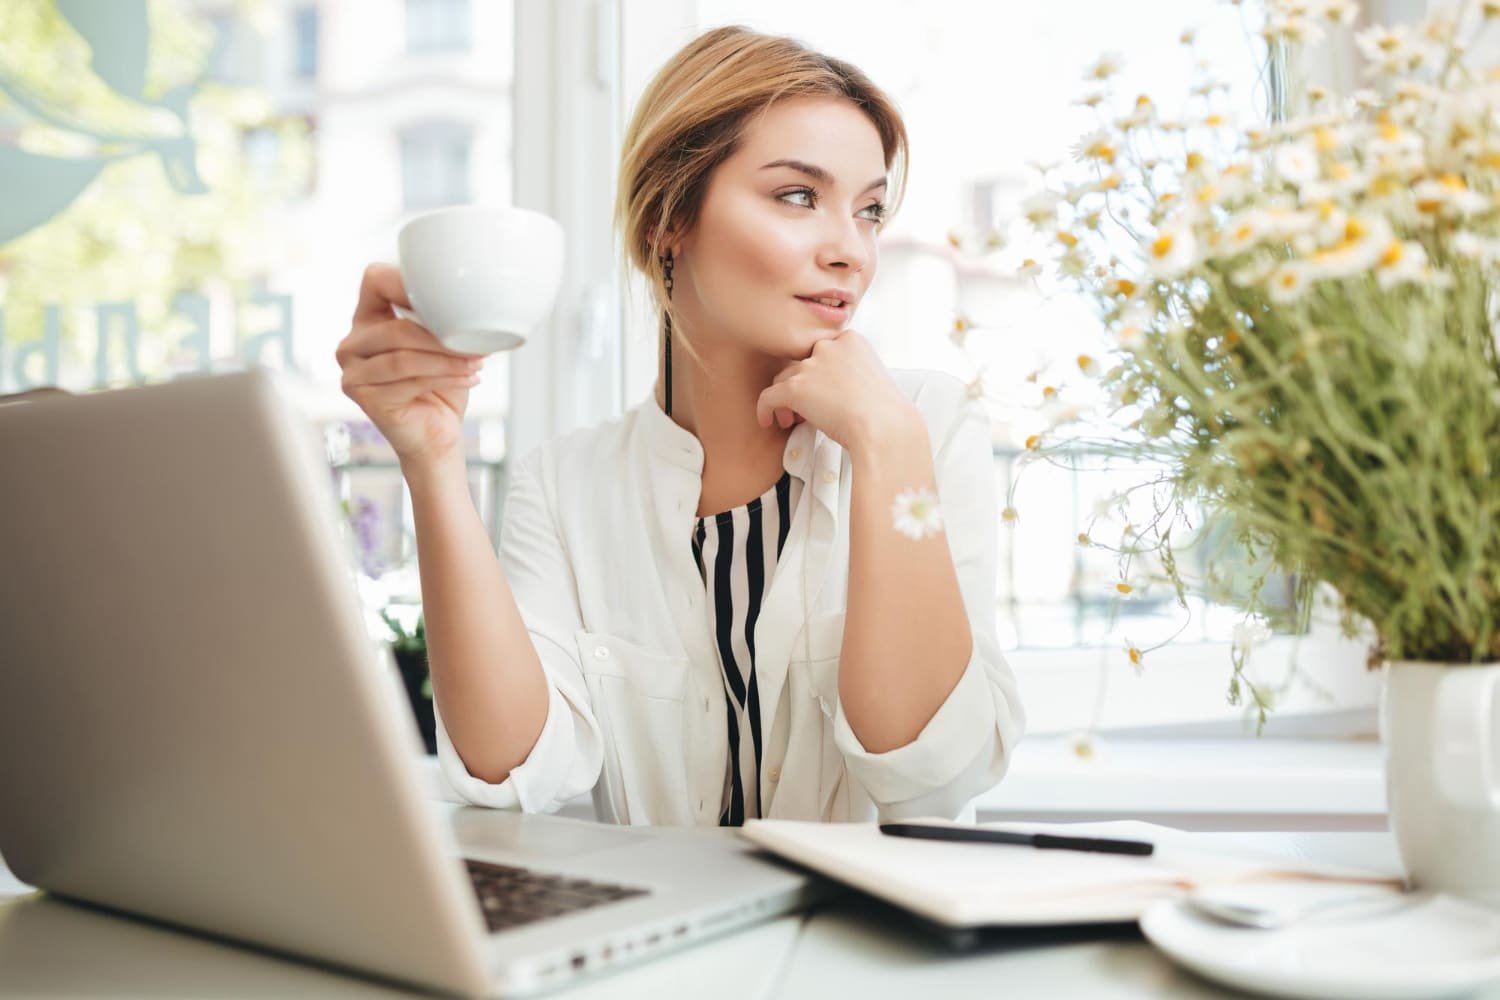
point(592, 543)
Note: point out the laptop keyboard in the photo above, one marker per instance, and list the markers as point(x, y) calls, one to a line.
point(511, 897)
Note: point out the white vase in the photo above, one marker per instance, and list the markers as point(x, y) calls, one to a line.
point(1442, 775)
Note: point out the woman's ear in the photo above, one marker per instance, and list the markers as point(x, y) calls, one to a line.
point(666, 240)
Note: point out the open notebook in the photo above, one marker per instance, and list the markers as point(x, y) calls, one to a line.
point(975, 885)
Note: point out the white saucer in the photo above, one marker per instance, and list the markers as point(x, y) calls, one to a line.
point(1438, 946)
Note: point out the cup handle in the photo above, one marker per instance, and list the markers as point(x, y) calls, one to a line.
point(404, 313)
point(1464, 737)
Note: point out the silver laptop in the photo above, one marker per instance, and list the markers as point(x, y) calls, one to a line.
point(195, 726)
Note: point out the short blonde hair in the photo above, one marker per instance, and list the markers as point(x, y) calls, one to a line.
point(691, 117)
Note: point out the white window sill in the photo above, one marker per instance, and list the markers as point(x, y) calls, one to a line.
point(1204, 784)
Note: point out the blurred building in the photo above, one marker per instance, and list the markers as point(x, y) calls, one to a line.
point(409, 108)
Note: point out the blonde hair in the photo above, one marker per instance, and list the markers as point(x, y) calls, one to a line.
point(691, 117)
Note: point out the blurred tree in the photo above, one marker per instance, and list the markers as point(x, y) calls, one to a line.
point(124, 174)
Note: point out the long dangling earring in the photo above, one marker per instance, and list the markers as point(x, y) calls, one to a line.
point(666, 263)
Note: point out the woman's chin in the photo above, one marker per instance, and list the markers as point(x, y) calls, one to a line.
point(814, 334)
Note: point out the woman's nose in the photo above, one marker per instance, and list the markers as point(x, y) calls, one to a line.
point(844, 246)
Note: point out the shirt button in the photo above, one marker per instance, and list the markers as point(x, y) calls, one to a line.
point(794, 454)
point(774, 774)
point(601, 652)
point(829, 475)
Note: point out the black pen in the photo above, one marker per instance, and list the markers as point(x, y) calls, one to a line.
point(979, 835)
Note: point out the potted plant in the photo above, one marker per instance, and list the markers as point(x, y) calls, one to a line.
point(1304, 338)
point(409, 648)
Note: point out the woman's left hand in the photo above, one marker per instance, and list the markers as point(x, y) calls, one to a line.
point(842, 389)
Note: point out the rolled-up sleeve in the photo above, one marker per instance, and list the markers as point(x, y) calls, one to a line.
point(965, 748)
point(565, 760)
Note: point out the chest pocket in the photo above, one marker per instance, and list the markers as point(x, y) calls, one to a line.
point(813, 679)
point(814, 662)
point(637, 697)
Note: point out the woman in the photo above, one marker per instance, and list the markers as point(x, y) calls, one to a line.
point(703, 611)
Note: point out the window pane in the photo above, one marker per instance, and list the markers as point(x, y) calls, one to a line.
point(437, 25)
point(305, 33)
point(236, 232)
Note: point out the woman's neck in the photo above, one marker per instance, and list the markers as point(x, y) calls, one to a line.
point(740, 458)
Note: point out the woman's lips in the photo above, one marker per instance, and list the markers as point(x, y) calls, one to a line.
point(832, 314)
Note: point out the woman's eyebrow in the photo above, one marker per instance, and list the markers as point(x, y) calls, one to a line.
point(818, 173)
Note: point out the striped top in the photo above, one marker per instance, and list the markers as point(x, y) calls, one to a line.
point(736, 552)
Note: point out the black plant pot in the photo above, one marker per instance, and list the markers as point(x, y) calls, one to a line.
point(413, 667)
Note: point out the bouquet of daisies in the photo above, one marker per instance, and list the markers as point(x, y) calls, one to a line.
point(1302, 322)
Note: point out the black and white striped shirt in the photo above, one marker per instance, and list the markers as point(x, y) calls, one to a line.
point(736, 552)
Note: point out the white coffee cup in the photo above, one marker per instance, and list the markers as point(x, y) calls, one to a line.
point(481, 278)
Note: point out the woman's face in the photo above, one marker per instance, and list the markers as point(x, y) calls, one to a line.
point(791, 216)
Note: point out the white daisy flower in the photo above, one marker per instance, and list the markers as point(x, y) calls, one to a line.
point(1072, 264)
point(1287, 283)
point(1250, 633)
point(1253, 273)
point(1098, 145)
point(1105, 67)
point(1240, 232)
point(1131, 333)
point(1296, 163)
point(1476, 247)
point(1449, 196)
point(1173, 250)
point(1041, 208)
point(1344, 181)
point(1362, 240)
point(1058, 413)
point(1397, 150)
point(916, 514)
point(1392, 49)
point(1470, 245)
point(1340, 11)
point(1402, 260)
point(1292, 29)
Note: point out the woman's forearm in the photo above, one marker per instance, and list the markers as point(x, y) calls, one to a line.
point(906, 632)
point(487, 679)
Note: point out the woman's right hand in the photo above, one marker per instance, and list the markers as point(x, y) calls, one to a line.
point(413, 388)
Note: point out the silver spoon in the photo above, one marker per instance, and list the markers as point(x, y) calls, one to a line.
point(1261, 916)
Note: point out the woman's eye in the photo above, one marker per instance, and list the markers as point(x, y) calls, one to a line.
point(804, 193)
point(876, 212)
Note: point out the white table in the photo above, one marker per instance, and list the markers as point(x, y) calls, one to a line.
point(852, 947)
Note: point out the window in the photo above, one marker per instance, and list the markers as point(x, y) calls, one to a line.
point(305, 42)
point(437, 25)
point(242, 240)
point(435, 165)
point(987, 91)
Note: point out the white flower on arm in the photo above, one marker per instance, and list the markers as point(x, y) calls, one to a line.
point(916, 514)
